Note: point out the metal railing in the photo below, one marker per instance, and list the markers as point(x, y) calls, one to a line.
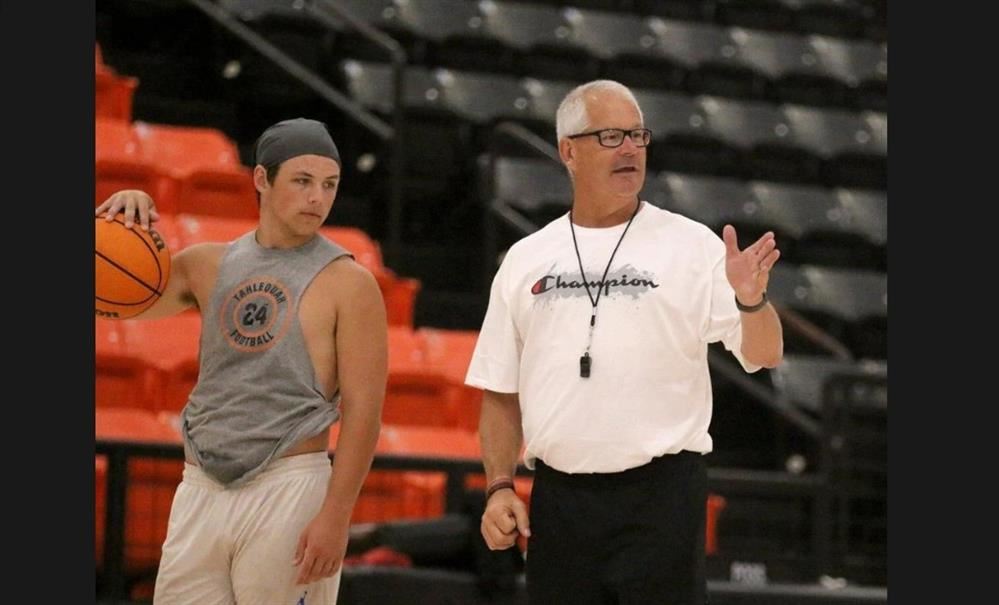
point(120, 452)
point(389, 134)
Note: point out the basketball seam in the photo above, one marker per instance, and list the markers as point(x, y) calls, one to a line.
point(155, 292)
point(137, 279)
point(155, 253)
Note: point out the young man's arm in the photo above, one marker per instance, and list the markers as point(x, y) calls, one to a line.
point(362, 369)
point(188, 267)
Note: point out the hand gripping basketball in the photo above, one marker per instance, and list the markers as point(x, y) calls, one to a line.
point(131, 202)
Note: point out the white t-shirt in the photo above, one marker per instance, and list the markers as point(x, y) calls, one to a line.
point(649, 392)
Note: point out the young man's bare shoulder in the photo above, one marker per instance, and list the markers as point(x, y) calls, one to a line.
point(346, 277)
point(345, 271)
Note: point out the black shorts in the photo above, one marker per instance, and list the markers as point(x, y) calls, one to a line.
point(629, 538)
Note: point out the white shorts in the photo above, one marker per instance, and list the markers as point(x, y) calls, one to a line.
point(225, 547)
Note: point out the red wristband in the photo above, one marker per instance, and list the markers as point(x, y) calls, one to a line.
point(497, 484)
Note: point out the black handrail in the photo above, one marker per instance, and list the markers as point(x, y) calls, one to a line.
point(392, 134)
point(393, 250)
point(528, 138)
point(766, 396)
point(295, 69)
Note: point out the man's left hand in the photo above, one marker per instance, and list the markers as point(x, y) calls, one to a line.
point(748, 270)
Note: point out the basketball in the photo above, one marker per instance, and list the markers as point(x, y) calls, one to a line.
point(131, 268)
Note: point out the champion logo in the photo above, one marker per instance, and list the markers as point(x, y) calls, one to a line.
point(622, 282)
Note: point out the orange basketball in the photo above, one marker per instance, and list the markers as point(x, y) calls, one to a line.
point(132, 267)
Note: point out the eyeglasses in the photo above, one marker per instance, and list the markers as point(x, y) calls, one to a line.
point(614, 137)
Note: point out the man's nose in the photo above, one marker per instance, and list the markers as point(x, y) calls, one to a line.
point(628, 147)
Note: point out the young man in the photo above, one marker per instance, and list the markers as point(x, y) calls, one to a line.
point(594, 351)
point(293, 339)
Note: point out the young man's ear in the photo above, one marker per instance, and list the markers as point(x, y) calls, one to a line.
point(260, 178)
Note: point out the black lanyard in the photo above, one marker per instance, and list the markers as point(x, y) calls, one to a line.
point(585, 361)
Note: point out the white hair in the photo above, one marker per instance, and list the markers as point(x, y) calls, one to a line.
point(572, 118)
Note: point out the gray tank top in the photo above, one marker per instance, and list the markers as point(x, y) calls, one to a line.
point(257, 393)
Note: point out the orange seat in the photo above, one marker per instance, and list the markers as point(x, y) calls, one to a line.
point(407, 350)
point(400, 297)
point(150, 488)
point(183, 149)
point(115, 139)
point(426, 495)
point(416, 393)
point(100, 505)
point(203, 168)
point(223, 193)
point(132, 425)
point(391, 495)
point(437, 442)
point(426, 441)
point(366, 251)
point(399, 293)
point(114, 175)
point(451, 351)
point(108, 337)
point(119, 164)
point(418, 398)
point(178, 386)
point(170, 345)
point(121, 379)
point(112, 93)
point(195, 229)
point(716, 504)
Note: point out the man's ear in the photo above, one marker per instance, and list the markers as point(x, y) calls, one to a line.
point(567, 153)
point(260, 178)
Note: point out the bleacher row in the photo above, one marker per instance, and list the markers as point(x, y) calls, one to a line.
point(739, 138)
point(744, 139)
point(736, 56)
point(809, 221)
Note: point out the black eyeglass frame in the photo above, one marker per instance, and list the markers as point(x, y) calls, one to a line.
point(647, 138)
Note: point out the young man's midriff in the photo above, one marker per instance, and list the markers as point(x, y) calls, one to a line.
point(319, 443)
